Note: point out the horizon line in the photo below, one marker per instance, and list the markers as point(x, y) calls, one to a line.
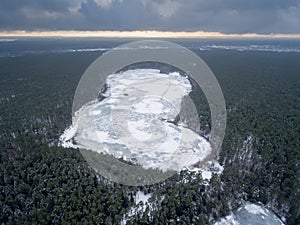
point(140, 34)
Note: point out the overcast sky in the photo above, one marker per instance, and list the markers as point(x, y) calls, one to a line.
point(226, 16)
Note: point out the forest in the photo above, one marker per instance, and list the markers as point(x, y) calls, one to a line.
point(43, 183)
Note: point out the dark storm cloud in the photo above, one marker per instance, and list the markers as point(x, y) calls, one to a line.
point(129, 15)
point(241, 16)
point(227, 16)
point(35, 14)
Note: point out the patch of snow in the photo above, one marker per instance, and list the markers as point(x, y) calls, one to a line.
point(95, 112)
point(255, 209)
point(13, 135)
point(210, 168)
point(206, 175)
point(140, 197)
point(102, 135)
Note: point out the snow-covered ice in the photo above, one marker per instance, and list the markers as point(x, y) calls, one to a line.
point(228, 220)
point(133, 121)
point(255, 209)
point(251, 214)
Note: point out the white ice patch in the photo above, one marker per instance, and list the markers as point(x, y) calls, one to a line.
point(149, 105)
point(251, 214)
point(133, 121)
point(263, 48)
point(228, 220)
point(255, 209)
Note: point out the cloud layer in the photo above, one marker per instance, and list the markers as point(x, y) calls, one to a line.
point(226, 16)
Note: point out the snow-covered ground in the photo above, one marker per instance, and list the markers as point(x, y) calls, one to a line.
point(133, 122)
point(141, 197)
point(141, 203)
point(210, 168)
point(251, 214)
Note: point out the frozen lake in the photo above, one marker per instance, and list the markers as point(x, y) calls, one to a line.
point(135, 121)
point(251, 214)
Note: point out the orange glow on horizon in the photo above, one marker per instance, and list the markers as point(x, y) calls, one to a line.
point(139, 34)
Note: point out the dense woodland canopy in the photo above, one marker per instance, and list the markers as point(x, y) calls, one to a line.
point(41, 183)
